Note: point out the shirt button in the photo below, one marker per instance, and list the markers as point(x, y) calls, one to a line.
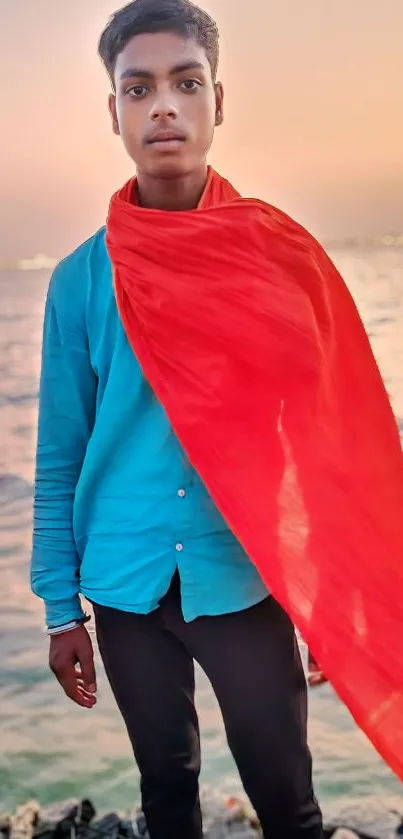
point(181, 493)
point(179, 547)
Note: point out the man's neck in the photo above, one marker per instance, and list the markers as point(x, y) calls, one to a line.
point(172, 193)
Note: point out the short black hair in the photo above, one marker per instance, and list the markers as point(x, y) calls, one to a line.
point(142, 17)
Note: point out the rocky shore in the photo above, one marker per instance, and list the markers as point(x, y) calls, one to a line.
point(222, 818)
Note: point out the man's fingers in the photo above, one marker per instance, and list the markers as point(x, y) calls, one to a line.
point(66, 676)
point(71, 659)
point(317, 678)
point(73, 685)
point(73, 689)
point(87, 671)
point(316, 675)
point(86, 700)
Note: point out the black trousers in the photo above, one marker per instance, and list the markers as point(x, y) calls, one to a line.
point(253, 662)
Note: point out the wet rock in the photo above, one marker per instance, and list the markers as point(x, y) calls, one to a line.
point(141, 827)
point(222, 818)
point(22, 824)
point(343, 833)
point(5, 827)
point(109, 826)
point(377, 819)
point(56, 822)
point(127, 830)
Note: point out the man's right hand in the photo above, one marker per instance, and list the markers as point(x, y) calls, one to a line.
point(68, 650)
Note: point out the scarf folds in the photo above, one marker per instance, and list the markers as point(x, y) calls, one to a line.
point(252, 343)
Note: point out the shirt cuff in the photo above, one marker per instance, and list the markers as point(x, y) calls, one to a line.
point(60, 612)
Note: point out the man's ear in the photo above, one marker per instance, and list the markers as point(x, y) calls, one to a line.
point(219, 103)
point(113, 113)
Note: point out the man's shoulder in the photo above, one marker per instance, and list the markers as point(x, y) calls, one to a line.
point(79, 264)
point(82, 274)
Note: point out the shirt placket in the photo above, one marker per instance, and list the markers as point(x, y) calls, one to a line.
point(183, 513)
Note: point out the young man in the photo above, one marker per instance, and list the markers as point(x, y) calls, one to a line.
point(150, 408)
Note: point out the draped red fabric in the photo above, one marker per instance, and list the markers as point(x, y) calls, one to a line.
point(253, 345)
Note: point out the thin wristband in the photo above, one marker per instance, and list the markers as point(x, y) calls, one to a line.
point(67, 627)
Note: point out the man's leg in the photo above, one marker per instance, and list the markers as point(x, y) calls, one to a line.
point(152, 677)
point(253, 662)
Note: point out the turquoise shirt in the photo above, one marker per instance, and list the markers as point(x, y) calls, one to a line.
point(118, 507)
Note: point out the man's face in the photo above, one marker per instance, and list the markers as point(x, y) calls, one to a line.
point(166, 104)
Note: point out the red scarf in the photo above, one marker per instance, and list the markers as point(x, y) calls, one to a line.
point(252, 343)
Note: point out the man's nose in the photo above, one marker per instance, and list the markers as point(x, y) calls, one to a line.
point(163, 107)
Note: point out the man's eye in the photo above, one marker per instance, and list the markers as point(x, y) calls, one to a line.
point(137, 91)
point(190, 85)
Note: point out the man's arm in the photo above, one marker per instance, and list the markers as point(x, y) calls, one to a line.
point(66, 416)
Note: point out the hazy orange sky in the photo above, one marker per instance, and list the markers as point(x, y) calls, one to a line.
point(314, 116)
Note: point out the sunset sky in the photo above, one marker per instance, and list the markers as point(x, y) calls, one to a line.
point(314, 116)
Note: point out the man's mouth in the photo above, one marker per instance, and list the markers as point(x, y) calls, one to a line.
point(166, 140)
